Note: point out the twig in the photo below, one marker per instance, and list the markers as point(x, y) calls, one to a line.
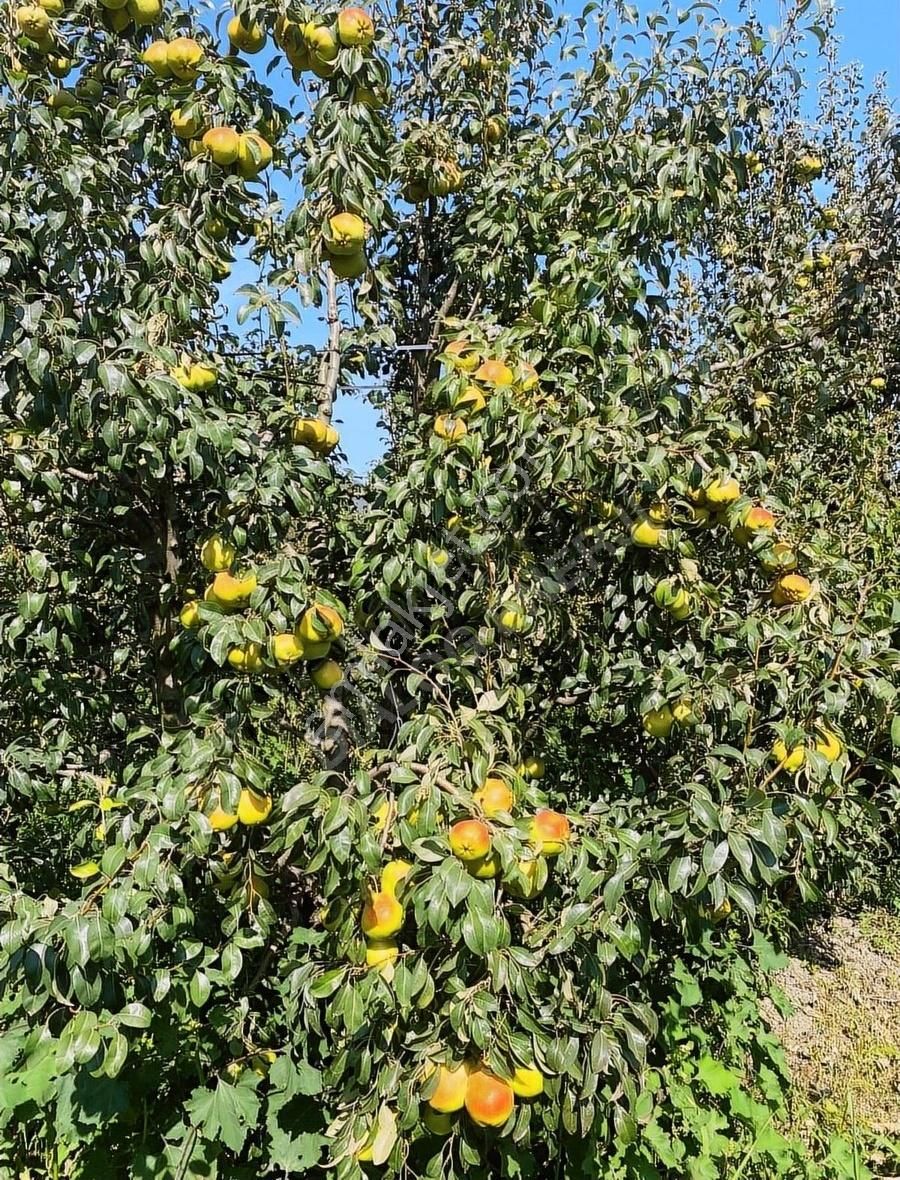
point(443, 311)
point(752, 357)
point(330, 364)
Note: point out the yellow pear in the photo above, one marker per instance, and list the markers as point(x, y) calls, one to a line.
point(646, 535)
point(450, 1093)
point(471, 399)
point(221, 820)
point(380, 952)
point(320, 623)
point(248, 38)
point(145, 12)
point(118, 19)
point(346, 234)
point(189, 615)
point(437, 1123)
point(392, 874)
point(791, 589)
point(723, 490)
point(321, 42)
point(327, 675)
point(450, 429)
point(828, 744)
point(156, 58)
point(486, 868)
point(318, 436)
point(216, 555)
point(658, 722)
point(286, 648)
point(60, 67)
point(253, 808)
point(184, 55)
point(246, 658)
point(527, 1082)
point(348, 266)
point(254, 155)
point(532, 767)
point(185, 127)
point(529, 871)
point(229, 591)
point(789, 760)
point(223, 145)
point(33, 21)
point(512, 618)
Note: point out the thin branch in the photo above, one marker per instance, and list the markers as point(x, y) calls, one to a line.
point(443, 311)
point(330, 364)
point(86, 476)
point(752, 357)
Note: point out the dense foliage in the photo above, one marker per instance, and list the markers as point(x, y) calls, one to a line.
point(622, 597)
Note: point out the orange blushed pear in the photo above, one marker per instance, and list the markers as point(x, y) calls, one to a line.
point(489, 1100)
point(223, 144)
point(382, 916)
point(494, 373)
point(470, 839)
point(355, 28)
point(462, 355)
point(494, 796)
point(790, 589)
point(550, 832)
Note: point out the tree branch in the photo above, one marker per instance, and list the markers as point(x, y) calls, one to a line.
point(330, 364)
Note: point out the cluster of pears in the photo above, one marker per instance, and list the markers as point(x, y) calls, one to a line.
point(309, 641)
point(36, 21)
point(442, 177)
point(659, 723)
point(180, 58)
point(315, 45)
point(488, 1099)
point(814, 264)
point(825, 742)
point(345, 245)
point(713, 504)
point(549, 832)
point(245, 152)
point(383, 915)
point(470, 841)
point(480, 378)
point(252, 809)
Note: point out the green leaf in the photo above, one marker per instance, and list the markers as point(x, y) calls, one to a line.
point(717, 1078)
point(226, 1113)
point(199, 989)
point(85, 870)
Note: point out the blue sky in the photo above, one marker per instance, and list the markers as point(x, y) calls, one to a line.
point(869, 31)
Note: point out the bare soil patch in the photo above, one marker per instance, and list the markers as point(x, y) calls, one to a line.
point(843, 1037)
